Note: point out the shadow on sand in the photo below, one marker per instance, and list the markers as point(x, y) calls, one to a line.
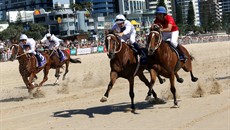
point(17, 99)
point(104, 110)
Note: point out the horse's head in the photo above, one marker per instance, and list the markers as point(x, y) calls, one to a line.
point(16, 51)
point(156, 27)
point(154, 41)
point(113, 44)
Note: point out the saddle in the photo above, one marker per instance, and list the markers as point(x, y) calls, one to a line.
point(175, 50)
point(60, 54)
point(139, 58)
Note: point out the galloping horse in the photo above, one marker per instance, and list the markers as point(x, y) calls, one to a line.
point(123, 64)
point(57, 64)
point(165, 61)
point(27, 66)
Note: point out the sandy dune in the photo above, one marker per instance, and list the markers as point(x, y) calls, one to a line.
point(75, 103)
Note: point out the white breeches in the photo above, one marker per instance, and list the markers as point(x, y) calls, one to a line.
point(172, 37)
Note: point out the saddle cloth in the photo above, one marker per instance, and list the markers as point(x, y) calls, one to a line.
point(43, 60)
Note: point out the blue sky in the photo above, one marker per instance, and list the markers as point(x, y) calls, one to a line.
point(61, 1)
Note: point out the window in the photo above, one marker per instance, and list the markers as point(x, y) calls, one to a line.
point(63, 32)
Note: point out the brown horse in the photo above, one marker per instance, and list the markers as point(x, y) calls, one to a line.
point(57, 64)
point(165, 61)
point(27, 66)
point(123, 64)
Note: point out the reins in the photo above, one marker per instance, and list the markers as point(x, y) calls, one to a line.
point(108, 38)
point(159, 39)
point(17, 56)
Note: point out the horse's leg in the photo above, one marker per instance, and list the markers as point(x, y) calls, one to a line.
point(27, 83)
point(179, 79)
point(32, 77)
point(153, 75)
point(193, 78)
point(160, 79)
point(149, 84)
point(66, 69)
point(45, 78)
point(113, 77)
point(173, 89)
point(188, 68)
point(35, 78)
point(131, 92)
point(57, 75)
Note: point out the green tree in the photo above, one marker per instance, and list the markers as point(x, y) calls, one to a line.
point(81, 6)
point(191, 14)
point(226, 21)
point(14, 30)
point(179, 16)
point(161, 3)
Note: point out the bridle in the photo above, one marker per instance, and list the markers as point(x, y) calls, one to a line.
point(159, 39)
point(116, 44)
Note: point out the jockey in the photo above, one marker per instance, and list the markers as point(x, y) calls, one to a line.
point(28, 44)
point(170, 30)
point(53, 44)
point(127, 32)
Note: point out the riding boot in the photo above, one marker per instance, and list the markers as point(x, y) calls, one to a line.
point(182, 52)
point(60, 55)
point(141, 53)
point(39, 59)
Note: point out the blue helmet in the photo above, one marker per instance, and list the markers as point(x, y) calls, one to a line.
point(161, 9)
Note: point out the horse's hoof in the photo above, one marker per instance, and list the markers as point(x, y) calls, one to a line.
point(180, 80)
point(103, 99)
point(148, 98)
point(134, 111)
point(194, 79)
point(175, 106)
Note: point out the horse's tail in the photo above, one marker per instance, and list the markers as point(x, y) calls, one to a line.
point(75, 60)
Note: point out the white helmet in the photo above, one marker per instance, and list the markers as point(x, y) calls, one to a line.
point(23, 37)
point(48, 35)
point(120, 18)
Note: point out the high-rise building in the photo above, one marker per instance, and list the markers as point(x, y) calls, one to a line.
point(184, 4)
point(105, 7)
point(152, 4)
point(225, 4)
point(17, 5)
point(209, 11)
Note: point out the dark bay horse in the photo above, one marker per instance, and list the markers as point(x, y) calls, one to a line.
point(123, 63)
point(57, 64)
point(27, 66)
point(165, 61)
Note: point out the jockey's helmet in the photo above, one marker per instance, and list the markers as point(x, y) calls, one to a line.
point(120, 18)
point(48, 35)
point(161, 10)
point(23, 37)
